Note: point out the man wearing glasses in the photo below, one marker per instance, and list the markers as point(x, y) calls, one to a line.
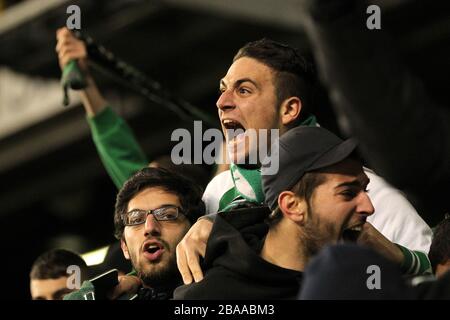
point(154, 210)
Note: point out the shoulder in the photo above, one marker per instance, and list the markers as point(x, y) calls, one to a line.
point(395, 217)
point(220, 178)
point(215, 190)
point(385, 195)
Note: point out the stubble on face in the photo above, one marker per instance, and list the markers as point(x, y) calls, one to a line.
point(331, 209)
point(154, 266)
point(315, 234)
point(159, 273)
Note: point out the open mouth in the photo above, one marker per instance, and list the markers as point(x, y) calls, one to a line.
point(153, 250)
point(351, 234)
point(233, 129)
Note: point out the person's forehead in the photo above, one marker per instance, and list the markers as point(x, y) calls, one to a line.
point(46, 287)
point(345, 171)
point(246, 67)
point(152, 198)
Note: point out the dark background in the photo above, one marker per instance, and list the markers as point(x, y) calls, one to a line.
point(58, 194)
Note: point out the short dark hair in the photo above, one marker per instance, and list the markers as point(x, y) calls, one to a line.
point(194, 172)
point(440, 246)
point(294, 75)
point(189, 193)
point(53, 264)
point(304, 188)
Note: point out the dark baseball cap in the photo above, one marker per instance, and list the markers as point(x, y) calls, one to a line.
point(300, 150)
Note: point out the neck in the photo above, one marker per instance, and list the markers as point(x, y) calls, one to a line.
point(282, 249)
point(167, 287)
point(163, 282)
point(248, 166)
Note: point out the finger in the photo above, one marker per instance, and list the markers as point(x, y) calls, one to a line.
point(201, 248)
point(369, 235)
point(65, 57)
point(117, 291)
point(79, 52)
point(58, 32)
point(368, 225)
point(127, 284)
point(182, 265)
point(64, 52)
point(193, 262)
point(63, 61)
point(71, 49)
point(65, 42)
point(63, 32)
point(366, 228)
point(62, 44)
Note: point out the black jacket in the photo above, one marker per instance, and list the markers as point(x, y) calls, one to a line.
point(345, 271)
point(233, 267)
point(153, 294)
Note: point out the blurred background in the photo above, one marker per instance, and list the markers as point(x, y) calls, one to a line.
point(54, 191)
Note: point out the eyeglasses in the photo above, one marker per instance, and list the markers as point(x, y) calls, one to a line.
point(136, 217)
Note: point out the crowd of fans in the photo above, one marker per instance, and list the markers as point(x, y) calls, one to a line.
point(316, 225)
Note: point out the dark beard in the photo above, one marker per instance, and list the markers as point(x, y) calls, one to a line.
point(167, 278)
point(313, 239)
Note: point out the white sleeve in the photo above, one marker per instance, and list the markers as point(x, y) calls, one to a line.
point(215, 190)
point(395, 217)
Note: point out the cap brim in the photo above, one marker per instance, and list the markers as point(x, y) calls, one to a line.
point(334, 155)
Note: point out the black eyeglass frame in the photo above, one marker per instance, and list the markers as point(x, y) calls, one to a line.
point(155, 212)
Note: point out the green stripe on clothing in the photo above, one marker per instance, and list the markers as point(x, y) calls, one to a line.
point(227, 198)
point(414, 262)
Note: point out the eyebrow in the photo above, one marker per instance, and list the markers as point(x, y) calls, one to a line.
point(354, 183)
point(161, 206)
point(239, 82)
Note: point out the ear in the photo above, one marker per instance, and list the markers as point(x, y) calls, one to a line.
point(292, 207)
point(290, 110)
point(124, 247)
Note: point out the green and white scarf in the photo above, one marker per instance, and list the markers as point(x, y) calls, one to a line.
point(247, 182)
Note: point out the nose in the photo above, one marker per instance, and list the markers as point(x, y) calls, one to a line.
point(365, 205)
point(226, 101)
point(152, 227)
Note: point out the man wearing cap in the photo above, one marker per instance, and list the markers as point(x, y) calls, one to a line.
point(318, 197)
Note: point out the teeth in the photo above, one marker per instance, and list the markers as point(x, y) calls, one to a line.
point(357, 228)
point(231, 124)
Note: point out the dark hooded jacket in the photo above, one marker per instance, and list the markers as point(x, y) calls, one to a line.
point(233, 268)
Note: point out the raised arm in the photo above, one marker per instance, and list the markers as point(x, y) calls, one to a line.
point(115, 142)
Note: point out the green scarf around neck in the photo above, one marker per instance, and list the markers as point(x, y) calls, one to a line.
point(247, 182)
